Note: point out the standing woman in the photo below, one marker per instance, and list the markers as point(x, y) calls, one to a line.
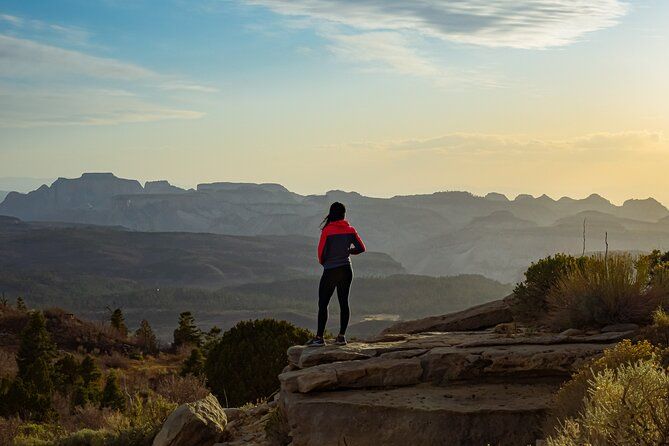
point(338, 241)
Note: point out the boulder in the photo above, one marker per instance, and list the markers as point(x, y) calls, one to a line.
point(193, 424)
point(475, 318)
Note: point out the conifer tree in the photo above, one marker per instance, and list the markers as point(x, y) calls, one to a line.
point(31, 392)
point(194, 364)
point(146, 338)
point(187, 332)
point(21, 304)
point(87, 386)
point(112, 396)
point(66, 373)
point(118, 322)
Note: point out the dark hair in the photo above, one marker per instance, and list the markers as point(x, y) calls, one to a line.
point(337, 212)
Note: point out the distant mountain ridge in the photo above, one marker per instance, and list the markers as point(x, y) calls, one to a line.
point(444, 233)
point(159, 259)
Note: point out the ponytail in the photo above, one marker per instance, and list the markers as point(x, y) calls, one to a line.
point(337, 212)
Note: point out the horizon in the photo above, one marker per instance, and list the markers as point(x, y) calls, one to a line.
point(49, 182)
point(382, 98)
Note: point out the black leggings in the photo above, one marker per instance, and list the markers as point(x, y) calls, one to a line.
point(339, 278)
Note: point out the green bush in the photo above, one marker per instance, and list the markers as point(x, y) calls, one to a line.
point(628, 405)
point(530, 295)
point(606, 290)
point(244, 364)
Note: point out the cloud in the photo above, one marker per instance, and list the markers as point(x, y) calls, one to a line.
point(70, 34)
point(108, 91)
point(492, 23)
point(185, 86)
point(387, 34)
point(391, 49)
point(28, 108)
point(22, 57)
point(487, 144)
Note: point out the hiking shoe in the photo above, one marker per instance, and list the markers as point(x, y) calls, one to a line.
point(316, 342)
point(341, 340)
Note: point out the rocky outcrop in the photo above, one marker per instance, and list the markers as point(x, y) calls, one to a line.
point(201, 423)
point(475, 318)
point(446, 388)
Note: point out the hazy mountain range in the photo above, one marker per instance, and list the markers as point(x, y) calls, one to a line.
point(444, 233)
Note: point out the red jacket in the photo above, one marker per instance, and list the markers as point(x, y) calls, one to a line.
point(334, 246)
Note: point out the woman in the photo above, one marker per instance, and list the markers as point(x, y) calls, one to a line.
point(334, 249)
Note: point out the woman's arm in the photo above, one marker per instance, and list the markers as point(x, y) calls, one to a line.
point(358, 245)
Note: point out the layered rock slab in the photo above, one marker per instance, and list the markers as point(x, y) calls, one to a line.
point(431, 388)
point(464, 414)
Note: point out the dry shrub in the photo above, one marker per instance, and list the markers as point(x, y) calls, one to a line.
point(657, 332)
point(115, 360)
point(605, 291)
point(181, 389)
point(91, 416)
point(570, 399)
point(142, 420)
point(8, 367)
point(9, 429)
point(628, 405)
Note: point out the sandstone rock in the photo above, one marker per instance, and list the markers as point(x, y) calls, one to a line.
point(471, 414)
point(403, 354)
point(441, 387)
point(619, 328)
point(322, 355)
point(375, 372)
point(475, 318)
point(571, 332)
point(193, 424)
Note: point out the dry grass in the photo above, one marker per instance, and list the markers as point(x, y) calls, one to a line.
point(180, 389)
point(570, 399)
point(604, 291)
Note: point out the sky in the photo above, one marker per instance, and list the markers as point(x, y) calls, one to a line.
point(382, 97)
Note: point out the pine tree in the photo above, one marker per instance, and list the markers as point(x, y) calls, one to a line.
point(146, 338)
point(187, 332)
point(20, 304)
point(194, 364)
point(88, 384)
point(31, 392)
point(118, 322)
point(66, 373)
point(112, 396)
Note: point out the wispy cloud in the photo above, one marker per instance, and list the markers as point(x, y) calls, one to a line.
point(70, 34)
point(487, 144)
point(109, 91)
point(493, 23)
point(27, 108)
point(23, 57)
point(389, 33)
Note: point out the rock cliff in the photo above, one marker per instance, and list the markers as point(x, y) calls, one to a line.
point(437, 388)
